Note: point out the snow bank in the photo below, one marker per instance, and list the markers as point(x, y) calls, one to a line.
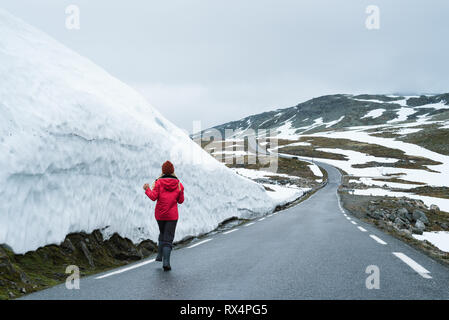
point(439, 239)
point(285, 194)
point(77, 145)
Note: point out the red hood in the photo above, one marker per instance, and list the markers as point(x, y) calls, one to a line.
point(169, 184)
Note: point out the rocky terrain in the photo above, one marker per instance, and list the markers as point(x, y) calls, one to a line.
point(35, 270)
point(401, 217)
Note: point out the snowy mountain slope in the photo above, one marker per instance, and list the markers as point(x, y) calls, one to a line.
point(399, 140)
point(342, 111)
point(77, 145)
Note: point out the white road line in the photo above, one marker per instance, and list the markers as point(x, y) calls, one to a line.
point(348, 218)
point(261, 219)
point(362, 229)
point(198, 243)
point(249, 224)
point(269, 215)
point(339, 204)
point(353, 222)
point(230, 231)
point(125, 269)
point(275, 213)
point(377, 239)
point(345, 215)
point(423, 272)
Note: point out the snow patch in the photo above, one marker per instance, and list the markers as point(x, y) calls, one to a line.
point(439, 239)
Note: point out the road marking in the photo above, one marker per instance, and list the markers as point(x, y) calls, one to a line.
point(423, 272)
point(269, 215)
point(362, 229)
point(353, 222)
point(261, 219)
point(249, 224)
point(230, 231)
point(338, 200)
point(125, 269)
point(348, 218)
point(198, 243)
point(345, 215)
point(275, 213)
point(379, 240)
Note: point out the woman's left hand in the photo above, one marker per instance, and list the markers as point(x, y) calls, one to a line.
point(146, 186)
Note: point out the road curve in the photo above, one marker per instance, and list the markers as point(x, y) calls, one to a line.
point(310, 251)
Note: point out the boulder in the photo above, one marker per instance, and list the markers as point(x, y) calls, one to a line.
point(420, 225)
point(419, 215)
point(406, 232)
point(404, 214)
point(377, 214)
point(400, 224)
point(434, 208)
point(67, 245)
point(87, 254)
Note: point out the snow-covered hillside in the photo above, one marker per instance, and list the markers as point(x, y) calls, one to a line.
point(390, 145)
point(77, 145)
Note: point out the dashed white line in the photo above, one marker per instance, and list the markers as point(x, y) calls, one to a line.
point(261, 219)
point(198, 243)
point(348, 218)
point(230, 231)
point(125, 269)
point(345, 215)
point(377, 239)
point(361, 229)
point(249, 224)
point(423, 272)
point(353, 222)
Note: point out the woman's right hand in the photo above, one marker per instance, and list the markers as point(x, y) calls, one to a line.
point(146, 186)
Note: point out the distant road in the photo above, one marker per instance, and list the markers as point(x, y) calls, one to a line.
point(310, 251)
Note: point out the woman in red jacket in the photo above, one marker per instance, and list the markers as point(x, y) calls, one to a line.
point(168, 191)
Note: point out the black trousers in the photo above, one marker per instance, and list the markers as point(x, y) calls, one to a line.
point(167, 230)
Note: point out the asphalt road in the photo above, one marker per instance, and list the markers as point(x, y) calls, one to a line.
point(310, 251)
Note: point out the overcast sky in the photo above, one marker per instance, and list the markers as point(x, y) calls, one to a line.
point(221, 60)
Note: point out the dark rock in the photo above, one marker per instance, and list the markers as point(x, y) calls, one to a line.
point(124, 249)
point(419, 215)
point(404, 214)
point(147, 247)
point(87, 254)
point(400, 224)
point(416, 230)
point(67, 245)
point(377, 214)
point(22, 290)
point(98, 236)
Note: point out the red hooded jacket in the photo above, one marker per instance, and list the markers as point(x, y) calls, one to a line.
point(168, 192)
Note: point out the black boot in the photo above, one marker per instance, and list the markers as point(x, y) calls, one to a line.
point(166, 250)
point(159, 252)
